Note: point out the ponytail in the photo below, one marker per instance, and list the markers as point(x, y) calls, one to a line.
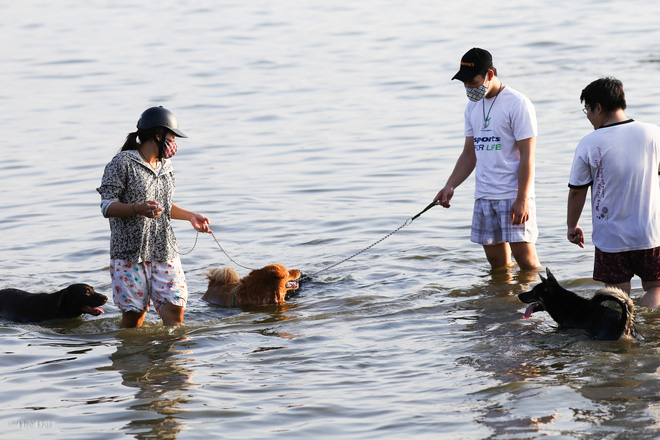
point(131, 142)
point(135, 139)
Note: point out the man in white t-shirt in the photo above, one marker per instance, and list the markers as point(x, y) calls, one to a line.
point(500, 143)
point(620, 162)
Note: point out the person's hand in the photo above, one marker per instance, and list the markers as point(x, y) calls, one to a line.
point(576, 236)
point(444, 196)
point(148, 209)
point(200, 223)
point(519, 212)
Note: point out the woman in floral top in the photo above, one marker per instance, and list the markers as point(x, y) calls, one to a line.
point(137, 192)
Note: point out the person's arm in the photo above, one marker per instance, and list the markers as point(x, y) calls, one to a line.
point(464, 167)
point(199, 222)
point(576, 199)
point(148, 209)
point(520, 207)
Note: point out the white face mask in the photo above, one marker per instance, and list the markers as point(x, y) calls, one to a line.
point(476, 94)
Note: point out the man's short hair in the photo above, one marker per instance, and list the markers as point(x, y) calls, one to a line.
point(608, 92)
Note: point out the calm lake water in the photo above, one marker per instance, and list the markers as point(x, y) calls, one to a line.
point(315, 129)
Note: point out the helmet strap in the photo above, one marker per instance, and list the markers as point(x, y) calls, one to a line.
point(161, 142)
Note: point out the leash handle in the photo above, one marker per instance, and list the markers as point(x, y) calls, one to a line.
point(431, 205)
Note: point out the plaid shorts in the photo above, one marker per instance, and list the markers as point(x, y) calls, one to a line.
point(619, 267)
point(134, 285)
point(491, 223)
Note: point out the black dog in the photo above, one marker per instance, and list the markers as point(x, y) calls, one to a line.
point(573, 311)
point(20, 306)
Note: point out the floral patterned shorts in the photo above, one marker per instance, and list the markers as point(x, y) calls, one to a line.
point(135, 284)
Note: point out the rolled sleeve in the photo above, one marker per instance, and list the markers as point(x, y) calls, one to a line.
point(105, 204)
point(112, 184)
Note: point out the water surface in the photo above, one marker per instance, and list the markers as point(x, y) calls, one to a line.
point(315, 129)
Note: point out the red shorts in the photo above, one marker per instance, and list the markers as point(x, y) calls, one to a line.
point(619, 267)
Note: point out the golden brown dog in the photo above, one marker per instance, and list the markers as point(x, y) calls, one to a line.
point(267, 285)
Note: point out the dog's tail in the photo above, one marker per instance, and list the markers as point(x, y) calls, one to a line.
point(627, 307)
point(222, 276)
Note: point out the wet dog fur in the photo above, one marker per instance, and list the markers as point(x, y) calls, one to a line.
point(21, 306)
point(264, 286)
point(570, 310)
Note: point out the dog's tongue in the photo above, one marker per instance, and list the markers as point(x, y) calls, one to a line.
point(529, 310)
point(93, 310)
point(292, 285)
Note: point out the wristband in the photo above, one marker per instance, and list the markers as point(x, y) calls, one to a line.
point(133, 208)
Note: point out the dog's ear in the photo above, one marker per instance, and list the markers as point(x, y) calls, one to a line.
point(66, 296)
point(551, 277)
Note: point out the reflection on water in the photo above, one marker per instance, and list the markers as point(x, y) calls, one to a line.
point(152, 360)
point(511, 275)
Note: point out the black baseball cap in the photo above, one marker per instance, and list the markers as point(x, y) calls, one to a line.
point(474, 62)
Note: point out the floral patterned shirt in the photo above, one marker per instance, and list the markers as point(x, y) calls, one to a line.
point(129, 179)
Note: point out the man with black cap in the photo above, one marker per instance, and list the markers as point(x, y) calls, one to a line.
point(500, 143)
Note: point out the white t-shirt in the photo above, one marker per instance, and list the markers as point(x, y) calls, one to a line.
point(496, 124)
point(621, 163)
